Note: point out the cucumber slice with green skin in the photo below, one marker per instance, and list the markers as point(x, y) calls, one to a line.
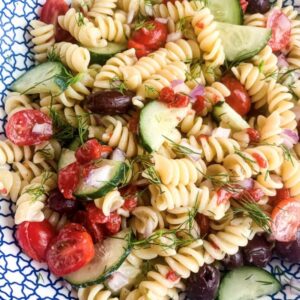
point(158, 121)
point(242, 42)
point(223, 112)
point(247, 283)
point(67, 157)
point(109, 256)
point(105, 176)
point(101, 55)
point(227, 11)
point(49, 77)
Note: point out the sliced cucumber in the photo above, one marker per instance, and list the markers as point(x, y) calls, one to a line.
point(248, 283)
point(228, 11)
point(223, 112)
point(101, 55)
point(49, 77)
point(103, 178)
point(75, 144)
point(109, 256)
point(67, 157)
point(158, 121)
point(242, 42)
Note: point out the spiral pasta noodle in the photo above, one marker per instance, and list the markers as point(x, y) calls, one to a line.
point(294, 56)
point(81, 29)
point(257, 20)
point(290, 176)
point(191, 124)
point(49, 150)
point(43, 39)
point(75, 57)
point(254, 82)
point(112, 69)
point(95, 292)
point(55, 219)
point(134, 7)
point(82, 5)
point(102, 8)
point(110, 202)
point(208, 37)
point(268, 183)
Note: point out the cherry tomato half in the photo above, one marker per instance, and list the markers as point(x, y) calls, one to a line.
point(239, 99)
point(113, 224)
point(254, 135)
point(34, 238)
point(140, 50)
point(286, 221)
point(68, 179)
point(281, 194)
point(29, 127)
point(199, 105)
point(281, 30)
point(72, 249)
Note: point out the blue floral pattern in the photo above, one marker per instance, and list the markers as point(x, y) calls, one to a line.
point(21, 277)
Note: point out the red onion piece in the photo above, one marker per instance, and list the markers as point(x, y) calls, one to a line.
point(282, 62)
point(290, 138)
point(246, 184)
point(118, 155)
point(197, 91)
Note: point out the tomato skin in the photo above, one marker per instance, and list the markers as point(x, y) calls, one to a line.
point(180, 101)
point(244, 4)
point(68, 179)
point(96, 214)
point(286, 221)
point(72, 249)
point(262, 163)
point(239, 99)
point(34, 238)
point(199, 105)
point(140, 50)
point(167, 95)
point(223, 196)
point(172, 276)
point(254, 194)
point(254, 135)
point(114, 223)
point(21, 125)
point(281, 30)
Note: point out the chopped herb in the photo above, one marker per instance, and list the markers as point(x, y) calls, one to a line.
point(261, 66)
point(144, 23)
point(118, 85)
point(264, 282)
point(80, 19)
point(45, 152)
point(40, 278)
point(83, 127)
point(180, 149)
point(151, 90)
point(53, 56)
point(244, 156)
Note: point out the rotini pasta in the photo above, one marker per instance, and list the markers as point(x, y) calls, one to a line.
point(102, 8)
point(290, 176)
point(257, 20)
point(95, 292)
point(49, 150)
point(55, 219)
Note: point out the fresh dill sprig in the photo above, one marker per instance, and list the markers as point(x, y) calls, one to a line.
point(80, 19)
point(243, 156)
point(83, 127)
point(151, 90)
point(53, 56)
point(118, 85)
point(287, 155)
point(180, 149)
point(45, 152)
point(142, 22)
point(261, 66)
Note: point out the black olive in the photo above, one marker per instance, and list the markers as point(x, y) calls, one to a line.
point(109, 102)
point(231, 262)
point(258, 6)
point(58, 203)
point(289, 251)
point(204, 284)
point(258, 252)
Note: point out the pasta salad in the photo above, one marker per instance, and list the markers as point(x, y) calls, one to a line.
point(154, 147)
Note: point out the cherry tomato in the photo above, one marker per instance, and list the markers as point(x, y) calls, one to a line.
point(254, 194)
point(34, 238)
point(72, 249)
point(262, 163)
point(281, 30)
point(172, 276)
point(153, 35)
point(91, 150)
point(281, 194)
point(239, 99)
point(29, 127)
point(244, 4)
point(286, 221)
point(254, 135)
point(68, 179)
point(114, 223)
point(203, 223)
point(140, 49)
point(96, 214)
point(223, 196)
point(199, 105)
point(180, 101)
point(167, 95)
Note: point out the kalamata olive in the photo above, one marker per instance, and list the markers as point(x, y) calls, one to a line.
point(258, 6)
point(203, 223)
point(231, 262)
point(289, 251)
point(58, 203)
point(258, 252)
point(109, 102)
point(204, 284)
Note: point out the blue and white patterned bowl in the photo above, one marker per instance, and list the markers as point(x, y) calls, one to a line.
point(21, 277)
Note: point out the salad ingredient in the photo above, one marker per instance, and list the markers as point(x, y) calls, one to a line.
point(227, 11)
point(258, 252)
point(203, 223)
point(281, 194)
point(204, 284)
point(109, 256)
point(242, 42)
point(34, 238)
point(29, 127)
point(68, 179)
point(244, 5)
point(101, 177)
point(289, 251)
point(199, 105)
point(254, 135)
point(48, 77)
point(258, 6)
point(247, 283)
point(281, 30)
point(101, 55)
point(67, 157)
point(113, 225)
point(72, 249)
point(109, 102)
point(234, 261)
point(286, 221)
point(239, 99)
point(150, 37)
point(159, 118)
point(58, 203)
point(223, 112)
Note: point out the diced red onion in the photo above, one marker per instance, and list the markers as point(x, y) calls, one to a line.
point(178, 86)
point(282, 62)
point(247, 184)
point(44, 128)
point(162, 20)
point(197, 91)
point(174, 36)
point(290, 138)
point(221, 132)
point(118, 155)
